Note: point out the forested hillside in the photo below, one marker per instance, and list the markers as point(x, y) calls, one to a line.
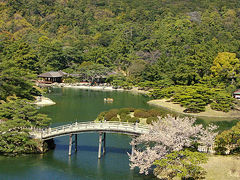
point(163, 42)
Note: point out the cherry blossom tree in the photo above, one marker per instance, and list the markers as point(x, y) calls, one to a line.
point(166, 135)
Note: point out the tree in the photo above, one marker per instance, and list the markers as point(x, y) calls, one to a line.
point(17, 117)
point(183, 164)
point(51, 54)
point(226, 65)
point(15, 81)
point(135, 69)
point(91, 72)
point(228, 141)
point(167, 135)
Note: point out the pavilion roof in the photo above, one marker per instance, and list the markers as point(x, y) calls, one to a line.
point(237, 92)
point(52, 74)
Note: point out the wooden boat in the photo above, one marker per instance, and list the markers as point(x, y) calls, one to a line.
point(108, 100)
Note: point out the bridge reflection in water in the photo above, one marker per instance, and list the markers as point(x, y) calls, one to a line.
point(85, 127)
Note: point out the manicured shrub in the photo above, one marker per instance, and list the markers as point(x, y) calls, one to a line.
point(141, 113)
point(154, 112)
point(114, 119)
point(124, 111)
point(134, 120)
point(110, 114)
point(196, 97)
point(151, 119)
point(125, 117)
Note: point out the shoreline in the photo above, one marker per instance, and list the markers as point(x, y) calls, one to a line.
point(98, 88)
point(175, 107)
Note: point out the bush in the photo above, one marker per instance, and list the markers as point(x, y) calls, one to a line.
point(220, 150)
point(121, 84)
point(141, 113)
point(134, 120)
point(127, 85)
point(125, 117)
point(114, 119)
point(151, 119)
point(228, 140)
point(110, 114)
point(124, 111)
point(154, 112)
point(101, 116)
point(117, 83)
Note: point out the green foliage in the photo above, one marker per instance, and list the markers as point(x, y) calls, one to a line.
point(114, 119)
point(195, 98)
point(111, 78)
point(155, 44)
point(141, 113)
point(16, 119)
point(121, 84)
point(24, 111)
point(125, 117)
point(154, 112)
point(91, 72)
point(165, 92)
point(133, 120)
point(222, 102)
point(151, 119)
point(110, 114)
point(101, 116)
point(124, 111)
point(18, 63)
point(226, 65)
point(183, 164)
point(164, 45)
point(228, 141)
point(70, 80)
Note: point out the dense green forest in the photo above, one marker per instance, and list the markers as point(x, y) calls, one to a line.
point(158, 43)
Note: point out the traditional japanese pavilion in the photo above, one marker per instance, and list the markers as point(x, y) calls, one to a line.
point(53, 76)
point(236, 94)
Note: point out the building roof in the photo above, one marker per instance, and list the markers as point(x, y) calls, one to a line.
point(52, 74)
point(237, 92)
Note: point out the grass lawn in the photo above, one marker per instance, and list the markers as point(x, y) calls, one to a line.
point(223, 168)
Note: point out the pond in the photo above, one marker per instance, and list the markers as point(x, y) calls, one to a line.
point(81, 105)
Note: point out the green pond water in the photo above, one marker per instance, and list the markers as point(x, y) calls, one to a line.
point(82, 105)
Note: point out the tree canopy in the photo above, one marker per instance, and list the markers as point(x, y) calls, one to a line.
point(17, 119)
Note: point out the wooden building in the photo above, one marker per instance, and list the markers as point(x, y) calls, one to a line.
point(53, 76)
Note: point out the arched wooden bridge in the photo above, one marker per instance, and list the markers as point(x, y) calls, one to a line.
point(101, 127)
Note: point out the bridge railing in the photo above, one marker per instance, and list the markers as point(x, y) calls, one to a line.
point(93, 125)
